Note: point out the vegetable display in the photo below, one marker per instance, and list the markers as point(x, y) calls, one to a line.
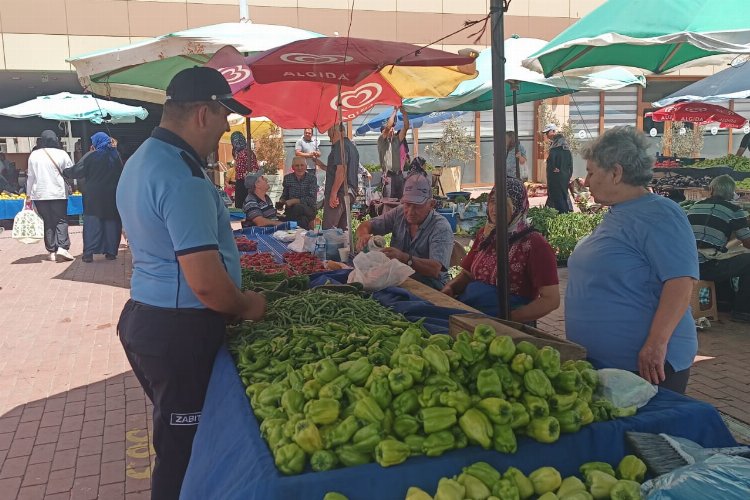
point(737, 163)
point(294, 263)
point(336, 379)
point(245, 245)
point(563, 231)
point(598, 481)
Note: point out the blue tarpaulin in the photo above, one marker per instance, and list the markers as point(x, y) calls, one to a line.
point(230, 460)
point(9, 208)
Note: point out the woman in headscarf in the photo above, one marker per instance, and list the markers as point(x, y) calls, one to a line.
point(101, 167)
point(243, 165)
point(46, 187)
point(532, 264)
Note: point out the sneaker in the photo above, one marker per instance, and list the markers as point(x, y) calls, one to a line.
point(741, 317)
point(87, 258)
point(109, 256)
point(64, 254)
point(53, 256)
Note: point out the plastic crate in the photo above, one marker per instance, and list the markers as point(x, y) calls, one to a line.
point(696, 194)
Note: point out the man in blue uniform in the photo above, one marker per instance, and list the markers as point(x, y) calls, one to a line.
point(186, 271)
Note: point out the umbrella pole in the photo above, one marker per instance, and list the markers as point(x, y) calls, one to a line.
point(72, 149)
point(514, 86)
point(498, 128)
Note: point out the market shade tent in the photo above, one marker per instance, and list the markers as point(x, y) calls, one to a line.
point(667, 33)
point(700, 113)
point(70, 107)
point(476, 94)
point(731, 83)
point(144, 69)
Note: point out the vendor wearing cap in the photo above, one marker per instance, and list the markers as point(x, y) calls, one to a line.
point(422, 238)
point(186, 271)
point(559, 170)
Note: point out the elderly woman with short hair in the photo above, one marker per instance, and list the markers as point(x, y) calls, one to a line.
point(715, 221)
point(630, 281)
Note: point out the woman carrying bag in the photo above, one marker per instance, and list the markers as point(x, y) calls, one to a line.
point(48, 190)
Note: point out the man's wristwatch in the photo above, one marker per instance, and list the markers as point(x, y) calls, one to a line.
point(410, 262)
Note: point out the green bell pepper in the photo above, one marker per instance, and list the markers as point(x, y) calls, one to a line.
point(440, 340)
point(536, 406)
point(562, 402)
point(366, 438)
point(584, 411)
point(488, 384)
point(322, 411)
point(463, 348)
point(357, 371)
point(586, 468)
point(414, 364)
point(331, 391)
point(570, 420)
point(430, 396)
point(505, 489)
point(544, 429)
point(477, 427)
point(578, 495)
point(335, 495)
point(271, 395)
point(590, 377)
point(307, 436)
point(631, 468)
point(484, 472)
point(459, 400)
point(325, 371)
point(289, 459)
point(570, 485)
point(497, 410)
point(400, 380)
point(520, 417)
point(545, 479)
point(484, 333)
point(343, 432)
point(296, 380)
point(437, 359)
point(405, 425)
point(527, 347)
point(391, 452)
point(368, 410)
point(414, 493)
point(568, 381)
point(504, 439)
point(448, 489)
point(628, 411)
point(442, 381)
point(600, 484)
point(521, 363)
point(523, 483)
point(625, 489)
point(255, 388)
point(437, 418)
point(388, 419)
point(411, 336)
point(311, 389)
point(415, 442)
point(438, 443)
point(292, 401)
point(475, 488)
point(582, 364)
point(290, 425)
point(537, 383)
point(406, 402)
point(454, 358)
point(349, 456)
point(478, 349)
point(323, 460)
point(550, 495)
point(503, 348)
point(547, 359)
point(380, 390)
point(266, 412)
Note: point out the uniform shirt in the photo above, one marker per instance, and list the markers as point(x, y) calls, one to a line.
point(745, 142)
point(255, 207)
point(169, 208)
point(615, 280)
point(434, 239)
point(305, 189)
point(714, 220)
point(352, 166)
point(307, 147)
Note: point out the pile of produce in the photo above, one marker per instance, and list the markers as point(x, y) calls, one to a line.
point(668, 163)
point(245, 245)
point(481, 481)
point(337, 380)
point(743, 185)
point(303, 263)
point(294, 263)
point(274, 286)
point(670, 182)
point(736, 163)
point(563, 231)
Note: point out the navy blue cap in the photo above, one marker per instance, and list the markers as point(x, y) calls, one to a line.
point(202, 83)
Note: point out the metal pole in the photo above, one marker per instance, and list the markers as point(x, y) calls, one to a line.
point(244, 11)
point(514, 87)
point(498, 128)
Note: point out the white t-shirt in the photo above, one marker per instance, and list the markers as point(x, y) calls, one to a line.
point(45, 181)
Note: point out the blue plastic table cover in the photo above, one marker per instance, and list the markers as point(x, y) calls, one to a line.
point(266, 242)
point(9, 208)
point(230, 460)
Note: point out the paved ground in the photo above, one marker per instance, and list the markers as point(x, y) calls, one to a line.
point(74, 422)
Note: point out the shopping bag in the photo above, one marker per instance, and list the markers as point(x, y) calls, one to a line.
point(28, 227)
point(376, 271)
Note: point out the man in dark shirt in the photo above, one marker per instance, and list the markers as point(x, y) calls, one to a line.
point(299, 195)
point(334, 208)
point(715, 220)
point(743, 145)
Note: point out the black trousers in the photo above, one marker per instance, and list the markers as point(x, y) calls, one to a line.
point(240, 193)
point(54, 214)
point(302, 214)
point(674, 381)
point(721, 270)
point(396, 181)
point(172, 354)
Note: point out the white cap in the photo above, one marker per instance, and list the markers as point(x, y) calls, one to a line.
point(548, 127)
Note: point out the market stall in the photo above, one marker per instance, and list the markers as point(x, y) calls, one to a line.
point(10, 207)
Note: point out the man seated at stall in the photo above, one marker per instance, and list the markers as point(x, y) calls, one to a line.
point(258, 207)
point(715, 220)
point(422, 238)
point(299, 195)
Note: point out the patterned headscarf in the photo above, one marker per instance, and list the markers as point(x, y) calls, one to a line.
point(518, 223)
point(238, 142)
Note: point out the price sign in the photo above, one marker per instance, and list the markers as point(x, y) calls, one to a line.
point(653, 132)
point(714, 130)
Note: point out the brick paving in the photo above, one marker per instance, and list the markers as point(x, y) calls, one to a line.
point(74, 423)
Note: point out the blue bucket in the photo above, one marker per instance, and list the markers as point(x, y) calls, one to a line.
point(448, 214)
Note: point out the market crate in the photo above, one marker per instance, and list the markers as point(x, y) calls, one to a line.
point(696, 194)
point(568, 350)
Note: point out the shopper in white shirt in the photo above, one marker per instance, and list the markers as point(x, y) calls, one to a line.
point(46, 187)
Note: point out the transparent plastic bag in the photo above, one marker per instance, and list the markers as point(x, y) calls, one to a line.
point(376, 271)
point(623, 388)
point(720, 476)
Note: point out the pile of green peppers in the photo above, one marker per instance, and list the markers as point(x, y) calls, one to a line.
point(347, 390)
point(481, 481)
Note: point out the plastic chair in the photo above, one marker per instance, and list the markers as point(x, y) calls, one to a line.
point(703, 309)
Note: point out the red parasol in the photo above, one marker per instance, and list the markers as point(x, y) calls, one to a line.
point(700, 113)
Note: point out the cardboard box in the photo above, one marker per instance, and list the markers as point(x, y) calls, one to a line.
point(568, 350)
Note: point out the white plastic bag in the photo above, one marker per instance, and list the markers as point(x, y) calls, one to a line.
point(28, 227)
point(287, 236)
point(376, 271)
point(719, 476)
point(623, 388)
